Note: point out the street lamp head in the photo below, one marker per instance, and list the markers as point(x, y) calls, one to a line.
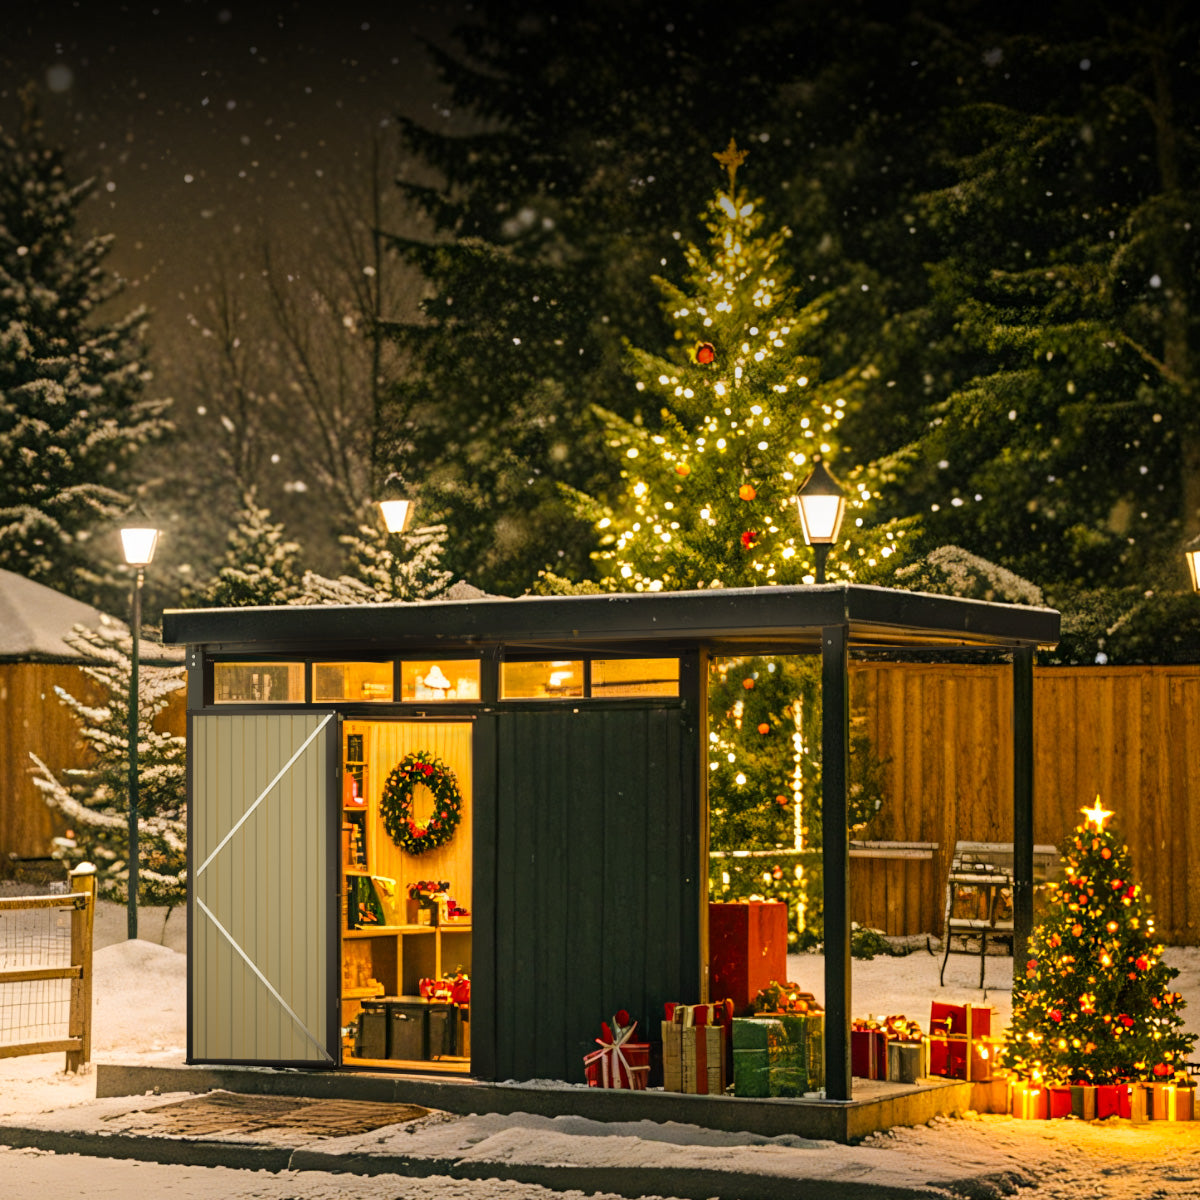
point(1191, 552)
point(396, 514)
point(395, 505)
point(138, 543)
point(822, 504)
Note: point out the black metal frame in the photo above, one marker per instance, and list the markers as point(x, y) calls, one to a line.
point(830, 620)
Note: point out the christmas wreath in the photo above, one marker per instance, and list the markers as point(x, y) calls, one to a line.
point(396, 803)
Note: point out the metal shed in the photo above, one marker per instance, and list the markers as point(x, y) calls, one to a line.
point(585, 801)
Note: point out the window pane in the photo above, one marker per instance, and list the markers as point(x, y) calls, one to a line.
point(352, 681)
point(446, 679)
point(635, 677)
point(541, 680)
point(258, 683)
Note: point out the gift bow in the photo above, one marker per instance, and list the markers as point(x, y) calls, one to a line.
point(618, 1035)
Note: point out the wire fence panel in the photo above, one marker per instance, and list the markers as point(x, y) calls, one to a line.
point(46, 971)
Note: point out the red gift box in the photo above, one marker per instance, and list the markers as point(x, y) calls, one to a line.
point(960, 1045)
point(620, 1062)
point(868, 1053)
point(747, 949)
point(1108, 1100)
point(1058, 1100)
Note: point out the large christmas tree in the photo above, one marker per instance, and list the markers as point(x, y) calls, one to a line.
point(1095, 1003)
point(711, 478)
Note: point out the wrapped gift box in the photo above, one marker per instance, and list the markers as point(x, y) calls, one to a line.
point(1030, 1102)
point(779, 1055)
point(960, 1042)
point(1172, 1102)
point(1058, 1100)
point(991, 1096)
point(620, 1062)
point(747, 949)
point(695, 1048)
point(868, 1053)
point(904, 1061)
point(1083, 1101)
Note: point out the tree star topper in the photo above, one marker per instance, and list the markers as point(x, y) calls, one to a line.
point(731, 158)
point(1096, 815)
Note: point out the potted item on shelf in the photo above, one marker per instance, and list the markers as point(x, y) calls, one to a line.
point(422, 907)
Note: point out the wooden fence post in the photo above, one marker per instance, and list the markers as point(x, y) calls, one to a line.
point(83, 880)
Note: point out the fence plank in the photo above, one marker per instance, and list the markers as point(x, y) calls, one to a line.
point(1129, 734)
point(39, 973)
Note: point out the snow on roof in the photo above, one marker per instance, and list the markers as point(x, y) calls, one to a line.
point(35, 621)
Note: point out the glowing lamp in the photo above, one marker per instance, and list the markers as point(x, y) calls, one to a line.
point(138, 543)
point(822, 504)
point(1191, 552)
point(396, 514)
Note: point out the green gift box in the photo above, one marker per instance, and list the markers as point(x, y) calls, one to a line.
point(751, 1073)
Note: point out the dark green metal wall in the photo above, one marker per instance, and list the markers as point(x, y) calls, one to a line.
point(588, 878)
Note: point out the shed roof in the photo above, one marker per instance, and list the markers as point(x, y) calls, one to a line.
point(738, 620)
point(35, 621)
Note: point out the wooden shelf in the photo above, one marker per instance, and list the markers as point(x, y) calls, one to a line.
point(392, 930)
point(362, 993)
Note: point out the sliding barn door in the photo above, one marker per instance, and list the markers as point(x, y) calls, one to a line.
point(263, 929)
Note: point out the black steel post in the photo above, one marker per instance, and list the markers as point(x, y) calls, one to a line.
point(135, 629)
point(835, 856)
point(1022, 719)
point(822, 549)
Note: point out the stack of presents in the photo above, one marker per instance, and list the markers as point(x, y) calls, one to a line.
point(767, 1038)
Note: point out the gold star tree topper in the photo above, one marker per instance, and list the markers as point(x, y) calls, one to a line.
point(1096, 815)
point(731, 158)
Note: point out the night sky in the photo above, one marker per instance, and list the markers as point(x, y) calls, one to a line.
point(204, 121)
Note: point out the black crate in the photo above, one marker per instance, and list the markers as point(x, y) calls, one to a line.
point(370, 1039)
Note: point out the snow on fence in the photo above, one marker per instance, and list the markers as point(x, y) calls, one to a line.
point(46, 972)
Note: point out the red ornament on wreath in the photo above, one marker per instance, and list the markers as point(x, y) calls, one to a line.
point(396, 803)
point(706, 353)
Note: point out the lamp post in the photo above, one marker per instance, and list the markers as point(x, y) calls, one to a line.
point(138, 543)
point(1191, 552)
point(396, 514)
point(822, 505)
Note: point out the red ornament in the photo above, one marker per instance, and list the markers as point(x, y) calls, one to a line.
point(1076, 930)
point(1162, 1069)
point(764, 728)
point(1055, 1015)
point(748, 683)
point(683, 469)
point(749, 538)
point(747, 492)
point(1126, 1020)
point(1031, 967)
point(1143, 963)
point(705, 353)
point(782, 801)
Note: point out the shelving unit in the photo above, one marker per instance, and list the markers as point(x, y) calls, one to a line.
point(387, 959)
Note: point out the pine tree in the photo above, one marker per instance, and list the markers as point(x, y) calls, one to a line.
point(73, 416)
point(710, 484)
point(1094, 1004)
point(260, 563)
point(94, 796)
point(383, 567)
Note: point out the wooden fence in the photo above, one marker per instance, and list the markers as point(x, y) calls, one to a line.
point(1128, 734)
point(28, 1013)
point(32, 719)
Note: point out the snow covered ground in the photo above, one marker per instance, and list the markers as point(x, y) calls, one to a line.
point(140, 1015)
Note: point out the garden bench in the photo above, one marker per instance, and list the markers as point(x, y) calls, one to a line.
point(981, 875)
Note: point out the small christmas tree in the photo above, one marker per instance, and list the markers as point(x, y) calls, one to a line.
point(260, 563)
point(94, 796)
point(1095, 1005)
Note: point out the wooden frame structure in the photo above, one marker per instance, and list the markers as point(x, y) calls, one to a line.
point(832, 621)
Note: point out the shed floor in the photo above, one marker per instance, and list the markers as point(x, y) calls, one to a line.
point(876, 1104)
